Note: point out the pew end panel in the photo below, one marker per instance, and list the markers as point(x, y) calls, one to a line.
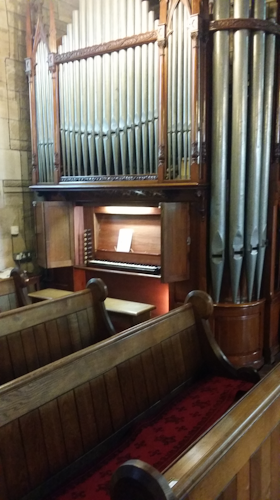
point(237, 458)
point(65, 416)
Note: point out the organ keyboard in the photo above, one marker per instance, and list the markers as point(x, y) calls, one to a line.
point(126, 266)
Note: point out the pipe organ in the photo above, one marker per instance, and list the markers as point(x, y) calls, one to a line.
point(173, 105)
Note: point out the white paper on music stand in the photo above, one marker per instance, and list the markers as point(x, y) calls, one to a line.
point(124, 240)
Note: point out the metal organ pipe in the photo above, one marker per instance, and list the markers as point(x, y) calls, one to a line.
point(77, 93)
point(83, 84)
point(254, 149)
point(266, 143)
point(238, 148)
point(219, 149)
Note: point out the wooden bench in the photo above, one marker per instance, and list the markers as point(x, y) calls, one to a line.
point(63, 417)
point(8, 298)
point(35, 335)
point(237, 459)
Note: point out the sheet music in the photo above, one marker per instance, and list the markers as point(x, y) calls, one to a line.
point(124, 240)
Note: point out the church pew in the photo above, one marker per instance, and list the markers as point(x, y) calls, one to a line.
point(62, 418)
point(35, 335)
point(8, 298)
point(239, 458)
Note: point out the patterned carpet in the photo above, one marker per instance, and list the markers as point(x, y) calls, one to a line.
point(161, 439)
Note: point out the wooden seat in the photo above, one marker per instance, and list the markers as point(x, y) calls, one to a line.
point(48, 294)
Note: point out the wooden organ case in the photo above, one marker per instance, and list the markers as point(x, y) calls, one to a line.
point(120, 109)
point(107, 155)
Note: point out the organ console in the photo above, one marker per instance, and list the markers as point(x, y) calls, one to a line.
point(169, 108)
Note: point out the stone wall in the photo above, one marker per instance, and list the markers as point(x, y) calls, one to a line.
point(15, 156)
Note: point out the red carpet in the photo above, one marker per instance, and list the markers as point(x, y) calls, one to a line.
point(161, 439)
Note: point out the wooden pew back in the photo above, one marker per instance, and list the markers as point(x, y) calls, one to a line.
point(75, 403)
point(8, 299)
point(38, 334)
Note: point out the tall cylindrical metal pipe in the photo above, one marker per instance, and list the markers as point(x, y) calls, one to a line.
point(254, 149)
point(219, 149)
point(266, 147)
point(238, 148)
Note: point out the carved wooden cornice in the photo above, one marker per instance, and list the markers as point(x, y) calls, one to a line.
point(107, 47)
point(245, 24)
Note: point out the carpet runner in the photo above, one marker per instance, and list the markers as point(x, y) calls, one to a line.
point(159, 440)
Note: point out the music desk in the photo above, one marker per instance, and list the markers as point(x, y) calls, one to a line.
point(48, 293)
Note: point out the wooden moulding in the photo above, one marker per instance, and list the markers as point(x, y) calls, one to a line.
point(239, 331)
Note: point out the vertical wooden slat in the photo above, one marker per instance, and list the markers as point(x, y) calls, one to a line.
point(34, 448)
point(64, 337)
point(17, 354)
point(42, 344)
point(243, 483)
point(6, 368)
point(115, 398)
point(139, 383)
point(13, 461)
point(159, 364)
point(169, 363)
point(92, 323)
point(84, 328)
point(275, 463)
point(3, 486)
point(128, 395)
point(101, 407)
point(30, 350)
point(255, 475)
point(53, 340)
point(74, 332)
point(70, 426)
point(86, 416)
point(53, 436)
point(178, 358)
point(13, 300)
point(230, 491)
point(191, 352)
point(266, 470)
point(150, 376)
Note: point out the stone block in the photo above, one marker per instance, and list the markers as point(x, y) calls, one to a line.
point(4, 134)
point(4, 111)
point(20, 145)
point(16, 21)
point(15, 73)
point(10, 164)
point(19, 130)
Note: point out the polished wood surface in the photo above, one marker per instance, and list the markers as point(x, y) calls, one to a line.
point(38, 334)
point(77, 402)
point(8, 299)
point(239, 330)
point(48, 293)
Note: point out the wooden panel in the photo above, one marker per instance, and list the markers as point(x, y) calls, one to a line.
point(42, 345)
point(191, 351)
point(6, 367)
point(230, 491)
point(139, 384)
point(3, 487)
point(30, 350)
point(84, 329)
point(101, 408)
point(243, 483)
point(256, 475)
point(65, 344)
point(169, 361)
point(128, 394)
point(150, 376)
point(86, 416)
point(175, 232)
point(34, 448)
point(17, 354)
point(53, 436)
point(161, 375)
point(4, 303)
point(59, 234)
point(275, 463)
point(73, 327)
point(115, 398)
point(40, 235)
point(178, 358)
point(13, 461)
point(70, 426)
point(12, 301)
point(53, 340)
